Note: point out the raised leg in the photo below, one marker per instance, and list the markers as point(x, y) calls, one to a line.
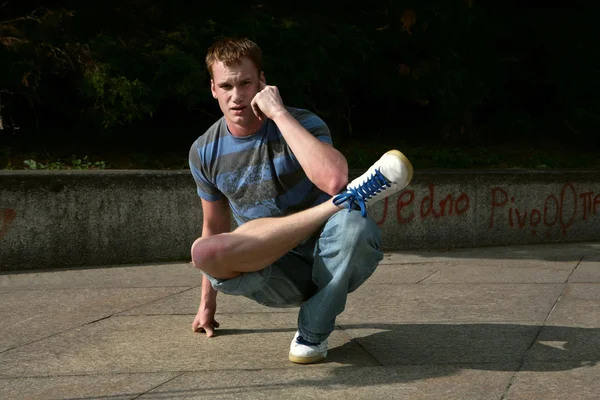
point(258, 243)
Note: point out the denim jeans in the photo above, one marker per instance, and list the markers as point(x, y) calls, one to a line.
point(317, 275)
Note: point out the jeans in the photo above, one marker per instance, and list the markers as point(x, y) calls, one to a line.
point(317, 275)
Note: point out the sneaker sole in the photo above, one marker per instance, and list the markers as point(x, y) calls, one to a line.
point(404, 161)
point(307, 360)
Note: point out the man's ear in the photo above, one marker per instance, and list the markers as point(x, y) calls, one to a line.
point(262, 77)
point(213, 89)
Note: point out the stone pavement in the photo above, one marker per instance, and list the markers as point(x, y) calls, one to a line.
point(519, 322)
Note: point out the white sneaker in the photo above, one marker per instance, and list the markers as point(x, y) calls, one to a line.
point(390, 174)
point(303, 352)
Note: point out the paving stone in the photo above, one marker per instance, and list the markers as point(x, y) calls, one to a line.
point(556, 381)
point(113, 387)
point(521, 255)
point(404, 273)
point(124, 276)
point(409, 382)
point(572, 331)
point(450, 303)
point(587, 271)
point(128, 344)
point(393, 344)
point(187, 303)
point(474, 272)
point(29, 315)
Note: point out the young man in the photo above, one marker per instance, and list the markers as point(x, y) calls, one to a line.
point(274, 168)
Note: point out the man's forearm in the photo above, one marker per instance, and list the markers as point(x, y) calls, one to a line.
point(325, 166)
point(209, 294)
point(216, 221)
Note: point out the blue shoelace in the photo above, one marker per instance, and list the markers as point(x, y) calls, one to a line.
point(359, 195)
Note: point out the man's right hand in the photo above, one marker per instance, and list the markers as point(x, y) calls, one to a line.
point(267, 103)
point(205, 320)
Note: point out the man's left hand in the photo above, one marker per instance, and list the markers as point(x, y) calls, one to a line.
point(267, 103)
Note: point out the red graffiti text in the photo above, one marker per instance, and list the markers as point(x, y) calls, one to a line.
point(7, 215)
point(557, 209)
point(432, 205)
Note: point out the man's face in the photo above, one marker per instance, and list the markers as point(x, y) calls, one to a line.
point(234, 87)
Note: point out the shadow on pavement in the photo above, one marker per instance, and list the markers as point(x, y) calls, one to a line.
point(409, 352)
point(490, 344)
point(420, 344)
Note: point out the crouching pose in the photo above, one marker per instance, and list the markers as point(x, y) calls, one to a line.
point(304, 238)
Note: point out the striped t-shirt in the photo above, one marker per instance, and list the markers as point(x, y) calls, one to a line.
point(258, 174)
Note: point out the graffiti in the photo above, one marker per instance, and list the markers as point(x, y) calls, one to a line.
point(428, 206)
point(589, 205)
point(557, 209)
point(560, 210)
point(7, 215)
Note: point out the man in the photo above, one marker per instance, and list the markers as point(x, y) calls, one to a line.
point(274, 168)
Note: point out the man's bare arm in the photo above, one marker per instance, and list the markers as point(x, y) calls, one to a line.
point(216, 220)
point(325, 166)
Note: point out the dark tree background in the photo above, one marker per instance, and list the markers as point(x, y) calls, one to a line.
point(129, 75)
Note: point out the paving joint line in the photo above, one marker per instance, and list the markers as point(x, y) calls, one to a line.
point(427, 277)
point(157, 386)
point(2, 291)
point(88, 323)
point(522, 363)
point(352, 339)
point(291, 368)
point(154, 301)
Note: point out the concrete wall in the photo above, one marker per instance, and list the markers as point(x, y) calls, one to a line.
point(478, 208)
point(78, 218)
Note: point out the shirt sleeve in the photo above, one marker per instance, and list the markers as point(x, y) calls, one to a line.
point(315, 125)
point(204, 184)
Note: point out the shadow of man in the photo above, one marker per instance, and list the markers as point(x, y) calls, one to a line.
point(487, 346)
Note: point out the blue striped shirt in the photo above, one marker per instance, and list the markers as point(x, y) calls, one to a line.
point(258, 174)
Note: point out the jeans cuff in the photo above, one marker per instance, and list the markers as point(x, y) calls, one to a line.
point(313, 338)
point(246, 283)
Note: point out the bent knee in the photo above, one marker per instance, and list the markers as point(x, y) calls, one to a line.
point(197, 252)
point(205, 253)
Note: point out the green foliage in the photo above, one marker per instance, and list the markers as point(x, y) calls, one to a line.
point(121, 100)
point(456, 72)
point(76, 163)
